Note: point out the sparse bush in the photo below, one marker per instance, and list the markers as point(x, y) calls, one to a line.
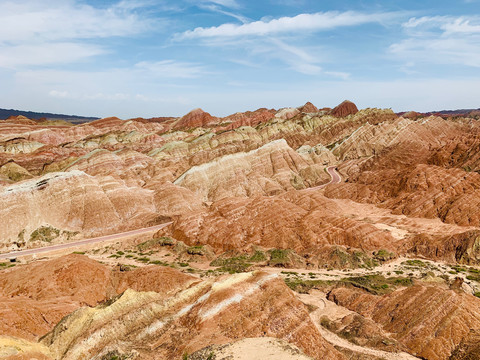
point(416, 263)
point(232, 265)
point(45, 233)
point(158, 262)
point(384, 255)
point(279, 257)
point(196, 250)
point(258, 256)
point(304, 286)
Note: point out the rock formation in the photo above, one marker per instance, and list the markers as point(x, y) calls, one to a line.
point(344, 109)
point(342, 192)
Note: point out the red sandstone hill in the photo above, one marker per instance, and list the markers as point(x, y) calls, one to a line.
point(247, 191)
point(344, 109)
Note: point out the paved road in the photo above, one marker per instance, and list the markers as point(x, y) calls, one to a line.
point(45, 249)
point(335, 178)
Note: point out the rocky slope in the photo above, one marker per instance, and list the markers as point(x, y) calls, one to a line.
point(144, 325)
point(430, 321)
point(332, 190)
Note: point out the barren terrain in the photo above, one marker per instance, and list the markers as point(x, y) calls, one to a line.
point(295, 233)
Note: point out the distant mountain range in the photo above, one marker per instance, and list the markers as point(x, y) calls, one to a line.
point(6, 113)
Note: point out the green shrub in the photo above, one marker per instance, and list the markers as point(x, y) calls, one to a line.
point(158, 262)
point(304, 286)
point(196, 250)
point(416, 263)
point(162, 241)
point(377, 284)
point(258, 256)
point(232, 265)
point(384, 255)
point(279, 257)
point(45, 233)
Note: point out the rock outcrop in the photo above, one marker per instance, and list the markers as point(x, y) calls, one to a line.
point(209, 313)
point(431, 321)
point(344, 109)
point(34, 298)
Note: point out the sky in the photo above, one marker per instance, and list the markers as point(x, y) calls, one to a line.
point(166, 57)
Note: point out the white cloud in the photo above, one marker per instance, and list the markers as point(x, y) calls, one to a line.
point(339, 74)
point(171, 69)
point(440, 40)
point(226, 3)
point(46, 54)
point(58, 32)
point(219, 10)
point(300, 23)
point(462, 26)
point(33, 21)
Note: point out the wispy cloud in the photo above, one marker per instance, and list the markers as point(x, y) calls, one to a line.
point(58, 32)
point(227, 3)
point(218, 9)
point(171, 69)
point(31, 21)
point(302, 22)
point(277, 39)
point(440, 40)
point(46, 54)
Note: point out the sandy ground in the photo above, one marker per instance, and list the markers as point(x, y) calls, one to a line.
point(260, 349)
point(333, 311)
point(399, 226)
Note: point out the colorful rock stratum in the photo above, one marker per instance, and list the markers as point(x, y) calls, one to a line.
point(299, 233)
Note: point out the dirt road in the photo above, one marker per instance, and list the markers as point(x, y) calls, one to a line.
point(99, 239)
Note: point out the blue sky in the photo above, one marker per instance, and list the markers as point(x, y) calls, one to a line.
point(163, 57)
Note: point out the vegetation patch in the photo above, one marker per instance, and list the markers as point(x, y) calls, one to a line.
point(340, 258)
point(49, 233)
point(115, 355)
point(45, 233)
point(384, 255)
point(232, 265)
point(303, 286)
point(279, 257)
point(258, 256)
point(158, 262)
point(196, 250)
point(415, 263)
point(161, 241)
point(377, 284)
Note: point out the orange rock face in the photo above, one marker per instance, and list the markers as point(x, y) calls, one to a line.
point(195, 118)
point(430, 321)
point(344, 109)
point(309, 108)
point(34, 298)
point(323, 190)
point(211, 312)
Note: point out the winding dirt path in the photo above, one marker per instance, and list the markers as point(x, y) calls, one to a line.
point(335, 178)
point(15, 254)
point(340, 342)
